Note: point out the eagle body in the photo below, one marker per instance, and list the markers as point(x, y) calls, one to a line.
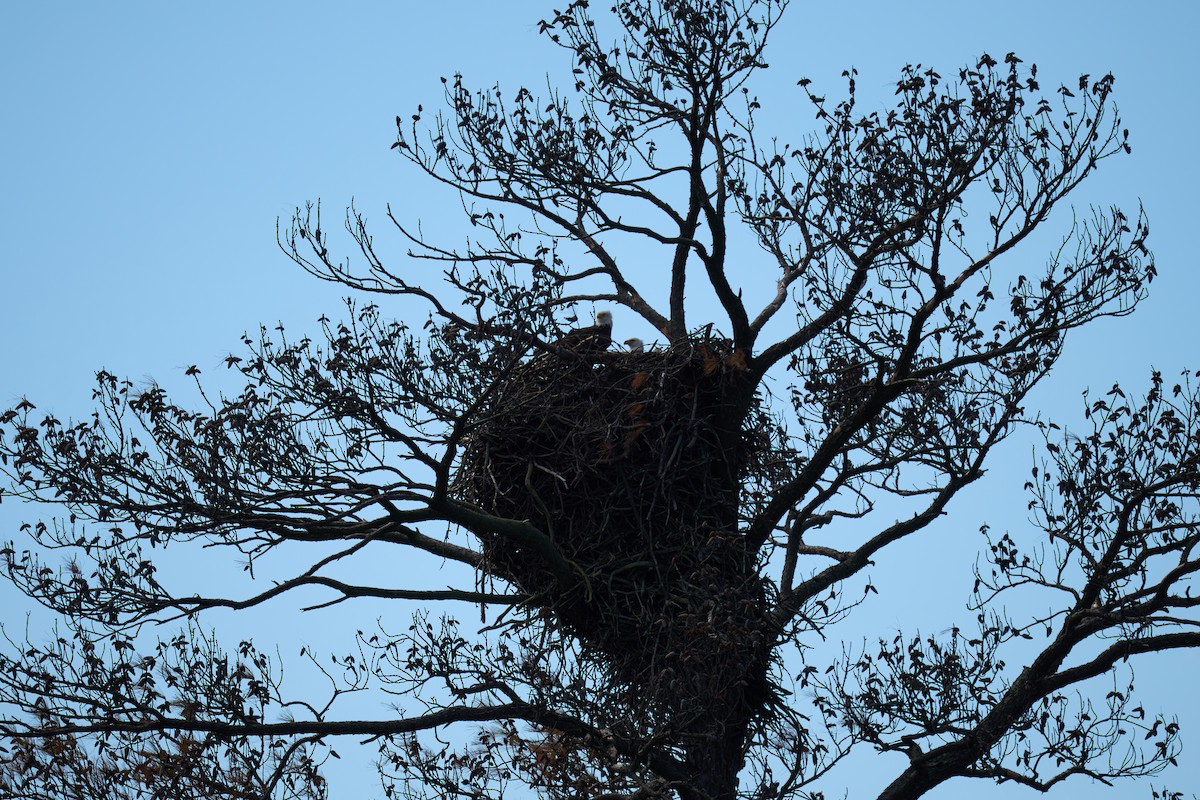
point(591, 340)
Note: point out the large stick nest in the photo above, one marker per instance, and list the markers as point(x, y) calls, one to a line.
point(633, 464)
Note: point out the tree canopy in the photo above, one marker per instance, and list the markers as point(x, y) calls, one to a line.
point(658, 543)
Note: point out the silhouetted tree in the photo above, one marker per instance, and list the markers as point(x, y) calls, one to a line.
point(657, 540)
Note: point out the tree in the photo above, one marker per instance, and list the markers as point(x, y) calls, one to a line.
point(659, 538)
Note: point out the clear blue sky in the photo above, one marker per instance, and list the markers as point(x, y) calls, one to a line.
point(146, 150)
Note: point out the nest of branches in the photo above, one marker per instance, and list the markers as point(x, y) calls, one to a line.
point(634, 463)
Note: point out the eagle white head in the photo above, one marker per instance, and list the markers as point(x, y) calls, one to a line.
point(604, 319)
point(635, 344)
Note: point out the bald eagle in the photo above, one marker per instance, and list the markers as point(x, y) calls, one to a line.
point(635, 345)
point(590, 340)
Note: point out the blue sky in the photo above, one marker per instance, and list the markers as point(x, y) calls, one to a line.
point(146, 150)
